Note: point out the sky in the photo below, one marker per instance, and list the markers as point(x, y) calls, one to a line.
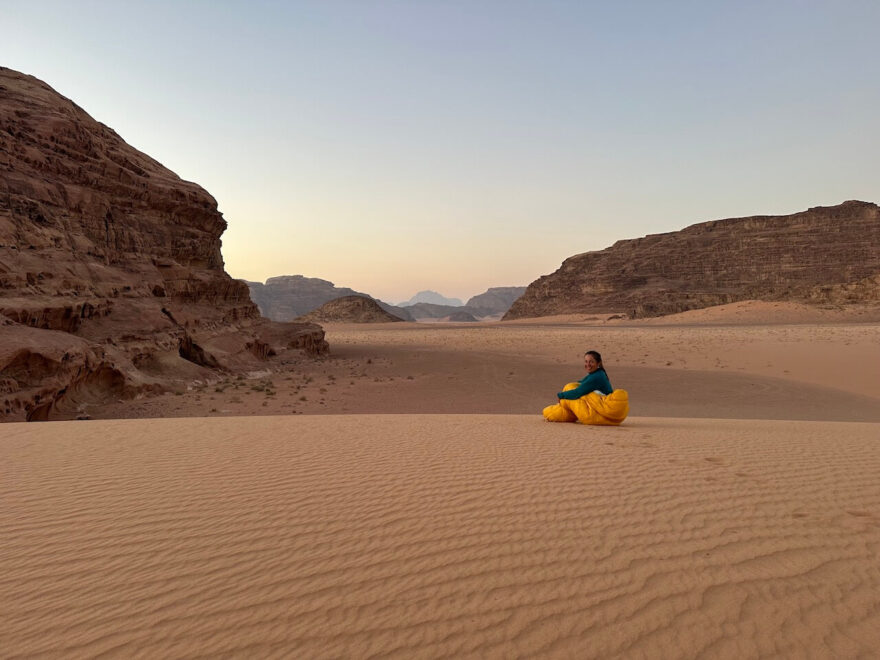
point(393, 146)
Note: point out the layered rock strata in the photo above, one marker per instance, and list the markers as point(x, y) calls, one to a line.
point(111, 276)
point(496, 300)
point(287, 297)
point(822, 255)
point(350, 309)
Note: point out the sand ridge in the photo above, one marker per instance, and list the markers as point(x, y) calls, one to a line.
point(423, 536)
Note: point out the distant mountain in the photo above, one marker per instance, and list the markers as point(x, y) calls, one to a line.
point(287, 297)
point(490, 305)
point(431, 311)
point(498, 299)
point(350, 309)
point(433, 298)
point(290, 297)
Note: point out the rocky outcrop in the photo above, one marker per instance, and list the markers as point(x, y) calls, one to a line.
point(350, 309)
point(859, 292)
point(461, 317)
point(421, 311)
point(111, 276)
point(496, 299)
point(287, 297)
point(819, 255)
point(429, 311)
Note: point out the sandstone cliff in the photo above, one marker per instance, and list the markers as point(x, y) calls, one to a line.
point(287, 297)
point(111, 276)
point(824, 254)
point(350, 309)
point(496, 299)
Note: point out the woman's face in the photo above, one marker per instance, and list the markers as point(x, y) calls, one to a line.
point(590, 363)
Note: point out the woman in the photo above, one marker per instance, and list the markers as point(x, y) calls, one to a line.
point(592, 400)
point(595, 380)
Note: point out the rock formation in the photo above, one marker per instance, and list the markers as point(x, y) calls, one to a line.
point(433, 298)
point(824, 254)
point(287, 297)
point(496, 299)
point(490, 305)
point(461, 317)
point(428, 311)
point(111, 276)
point(423, 310)
point(350, 309)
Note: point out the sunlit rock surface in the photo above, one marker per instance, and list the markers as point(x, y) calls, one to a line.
point(825, 255)
point(111, 276)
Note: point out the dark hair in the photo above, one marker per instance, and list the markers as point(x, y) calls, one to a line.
point(598, 358)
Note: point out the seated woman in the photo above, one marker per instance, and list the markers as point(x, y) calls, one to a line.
point(592, 400)
point(596, 379)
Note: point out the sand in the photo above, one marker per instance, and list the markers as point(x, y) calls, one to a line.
point(807, 371)
point(735, 514)
point(447, 535)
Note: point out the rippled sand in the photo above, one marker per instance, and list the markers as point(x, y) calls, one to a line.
point(439, 535)
point(735, 514)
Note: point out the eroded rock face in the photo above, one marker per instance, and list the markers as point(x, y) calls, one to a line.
point(825, 254)
point(496, 299)
point(109, 263)
point(287, 297)
point(351, 309)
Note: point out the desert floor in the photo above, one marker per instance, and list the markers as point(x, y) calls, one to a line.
point(735, 514)
point(732, 362)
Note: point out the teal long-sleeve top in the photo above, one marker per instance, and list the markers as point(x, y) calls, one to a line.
point(598, 380)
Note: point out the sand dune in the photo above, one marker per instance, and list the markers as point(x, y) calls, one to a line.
point(449, 535)
point(735, 514)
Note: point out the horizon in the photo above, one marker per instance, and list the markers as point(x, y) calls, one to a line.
point(456, 147)
point(396, 303)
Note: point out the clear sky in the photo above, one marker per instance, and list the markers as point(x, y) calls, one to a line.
point(393, 146)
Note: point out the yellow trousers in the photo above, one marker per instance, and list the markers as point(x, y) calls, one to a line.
point(592, 408)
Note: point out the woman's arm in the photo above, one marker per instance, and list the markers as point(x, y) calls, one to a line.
point(576, 393)
point(597, 380)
